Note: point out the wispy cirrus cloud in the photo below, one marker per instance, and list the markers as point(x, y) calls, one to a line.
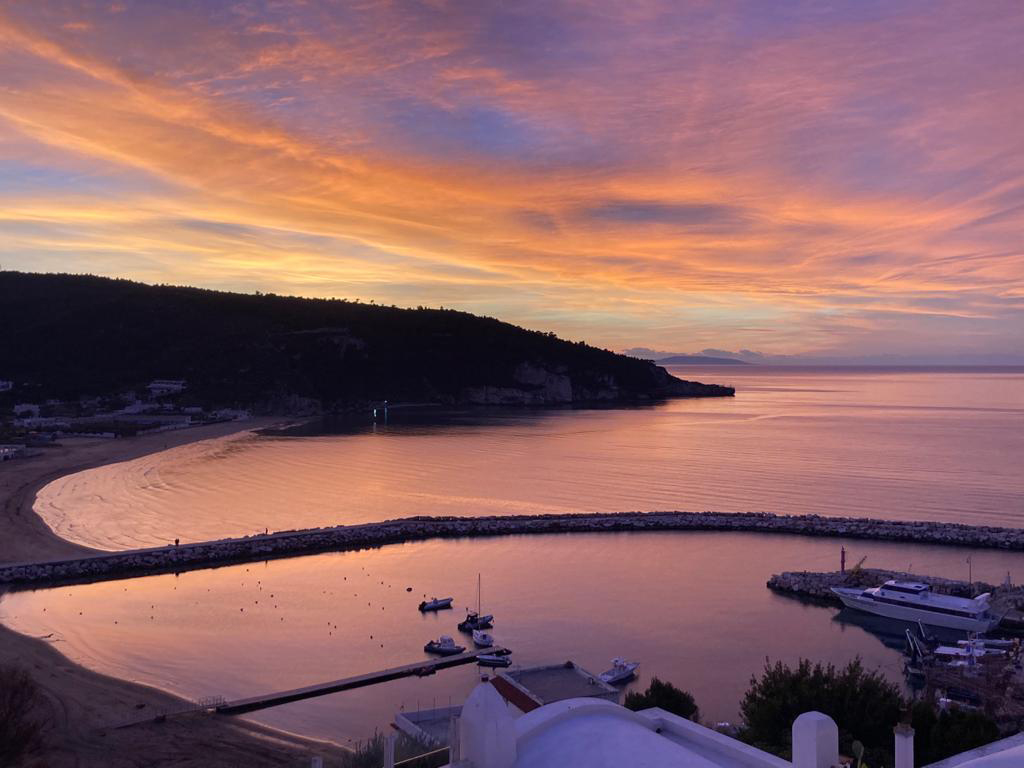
point(835, 176)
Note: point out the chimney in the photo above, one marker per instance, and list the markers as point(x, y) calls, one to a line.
point(904, 736)
point(389, 751)
point(815, 741)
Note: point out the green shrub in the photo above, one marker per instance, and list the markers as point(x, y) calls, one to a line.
point(863, 704)
point(20, 728)
point(865, 707)
point(666, 696)
point(370, 753)
point(938, 735)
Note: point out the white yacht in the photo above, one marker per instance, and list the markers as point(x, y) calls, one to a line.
point(913, 601)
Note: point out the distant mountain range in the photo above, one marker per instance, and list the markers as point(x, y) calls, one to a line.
point(699, 360)
point(64, 336)
point(994, 359)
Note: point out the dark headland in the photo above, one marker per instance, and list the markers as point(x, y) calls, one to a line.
point(73, 335)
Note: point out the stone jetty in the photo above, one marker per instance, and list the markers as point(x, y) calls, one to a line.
point(291, 543)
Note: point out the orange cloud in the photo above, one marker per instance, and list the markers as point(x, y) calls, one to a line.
point(646, 180)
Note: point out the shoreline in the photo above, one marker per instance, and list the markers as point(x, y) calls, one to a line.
point(84, 706)
point(25, 536)
point(81, 708)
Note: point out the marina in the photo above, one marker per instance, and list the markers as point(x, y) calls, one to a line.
point(549, 596)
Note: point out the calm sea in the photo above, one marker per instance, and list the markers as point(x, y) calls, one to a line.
point(905, 444)
point(692, 608)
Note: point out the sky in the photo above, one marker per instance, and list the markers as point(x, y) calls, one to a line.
point(791, 178)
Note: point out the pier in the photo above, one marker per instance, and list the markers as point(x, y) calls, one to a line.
point(191, 556)
point(416, 669)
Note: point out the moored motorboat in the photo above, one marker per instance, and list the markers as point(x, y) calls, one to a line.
point(493, 660)
point(436, 604)
point(620, 672)
point(915, 602)
point(474, 621)
point(482, 639)
point(444, 646)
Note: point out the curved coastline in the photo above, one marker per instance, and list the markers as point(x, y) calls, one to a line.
point(86, 705)
point(82, 708)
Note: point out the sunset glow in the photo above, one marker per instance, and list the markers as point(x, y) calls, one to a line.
point(841, 178)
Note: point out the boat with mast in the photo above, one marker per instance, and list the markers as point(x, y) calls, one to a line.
point(475, 619)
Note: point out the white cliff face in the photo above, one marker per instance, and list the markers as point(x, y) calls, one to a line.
point(537, 386)
point(555, 385)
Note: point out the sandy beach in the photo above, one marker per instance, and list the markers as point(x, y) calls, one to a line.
point(84, 708)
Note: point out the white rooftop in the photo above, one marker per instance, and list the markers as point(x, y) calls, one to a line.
point(592, 733)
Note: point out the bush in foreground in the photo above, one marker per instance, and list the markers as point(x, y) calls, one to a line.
point(20, 729)
point(370, 753)
point(863, 704)
point(667, 696)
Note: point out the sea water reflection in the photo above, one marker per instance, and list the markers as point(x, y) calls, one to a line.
point(692, 607)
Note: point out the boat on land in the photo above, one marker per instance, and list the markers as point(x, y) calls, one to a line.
point(476, 619)
point(973, 650)
point(493, 660)
point(436, 604)
point(620, 672)
point(444, 646)
point(915, 602)
point(1005, 643)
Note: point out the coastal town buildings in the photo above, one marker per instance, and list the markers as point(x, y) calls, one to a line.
point(164, 387)
point(11, 451)
point(561, 715)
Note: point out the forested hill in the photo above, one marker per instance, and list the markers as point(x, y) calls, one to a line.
point(71, 335)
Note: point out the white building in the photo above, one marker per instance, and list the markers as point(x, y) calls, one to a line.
point(8, 452)
point(161, 387)
point(596, 733)
point(492, 731)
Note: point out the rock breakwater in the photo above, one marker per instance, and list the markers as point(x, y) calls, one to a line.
point(291, 543)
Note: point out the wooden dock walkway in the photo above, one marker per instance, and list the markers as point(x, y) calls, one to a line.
point(419, 668)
